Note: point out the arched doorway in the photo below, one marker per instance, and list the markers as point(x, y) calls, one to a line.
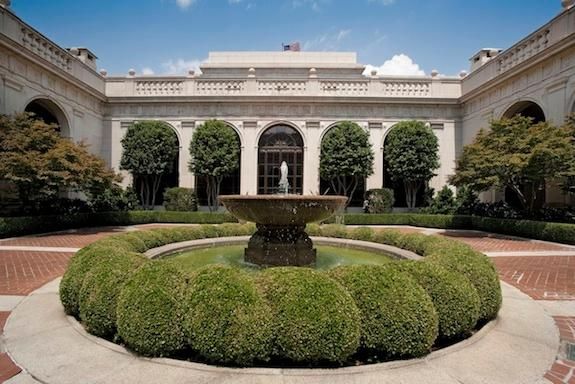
point(230, 184)
point(326, 187)
point(527, 109)
point(398, 186)
point(49, 112)
point(171, 178)
point(280, 143)
point(535, 112)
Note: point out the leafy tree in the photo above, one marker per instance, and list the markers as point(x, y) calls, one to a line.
point(443, 203)
point(150, 148)
point(40, 163)
point(346, 158)
point(215, 152)
point(466, 200)
point(411, 154)
point(519, 155)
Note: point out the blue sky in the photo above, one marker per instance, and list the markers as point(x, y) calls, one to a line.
point(169, 36)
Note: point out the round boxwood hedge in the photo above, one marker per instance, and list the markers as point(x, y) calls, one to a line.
point(455, 299)
point(227, 320)
point(228, 316)
point(314, 318)
point(100, 290)
point(397, 315)
point(150, 310)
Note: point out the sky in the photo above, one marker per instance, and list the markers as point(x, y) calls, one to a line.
point(398, 37)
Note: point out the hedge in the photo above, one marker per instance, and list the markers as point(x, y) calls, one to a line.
point(314, 318)
point(17, 226)
point(557, 232)
point(397, 316)
point(150, 310)
point(228, 316)
point(227, 319)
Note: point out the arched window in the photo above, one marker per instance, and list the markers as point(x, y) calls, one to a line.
point(280, 143)
point(49, 112)
point(527, 109)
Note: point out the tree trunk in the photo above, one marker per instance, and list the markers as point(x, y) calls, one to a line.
point(209, 188)
point(157, 179)
point(520, 195)
point(411, 188)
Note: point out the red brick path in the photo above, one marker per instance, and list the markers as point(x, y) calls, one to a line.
point(23, 272)
point(566, 325)
point(562, 371)
point(7, 368)
point(496, 243)
point(541, 277)
point(67, 240)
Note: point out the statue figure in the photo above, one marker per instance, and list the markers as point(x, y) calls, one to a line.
point(283, 187)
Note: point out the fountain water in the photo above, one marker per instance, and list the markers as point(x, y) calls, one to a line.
point(280, 239)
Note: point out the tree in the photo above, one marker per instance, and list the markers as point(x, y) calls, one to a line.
point(346, 158)
point(411, 154)
point(40, 163)
point(443, 203)
point(150, 148)
point(519, 155)
point(215, 153)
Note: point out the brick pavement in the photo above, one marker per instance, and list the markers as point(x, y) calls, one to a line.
point(562, 372)
point(78, 239)
point(23, 272)
point(496, 243)
point(541, 277)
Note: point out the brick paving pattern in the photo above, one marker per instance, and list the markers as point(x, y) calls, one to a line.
point(7, 368)
point(3, 318)
point(63, 240)
point(496, 243)
point(541, 277)
point(562, 372)
point(566, 325)
point(23, 272)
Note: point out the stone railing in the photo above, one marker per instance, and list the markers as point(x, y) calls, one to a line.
point(159, 87)
point(43, 51)
point(44, 48)
point(274, 87)
point(556, 33)
point(421, 87)
point(219, 87)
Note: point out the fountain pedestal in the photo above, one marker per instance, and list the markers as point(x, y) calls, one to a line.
point(280, 239)
point(275, 245)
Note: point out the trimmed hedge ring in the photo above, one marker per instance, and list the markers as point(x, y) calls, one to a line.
point(289, 315)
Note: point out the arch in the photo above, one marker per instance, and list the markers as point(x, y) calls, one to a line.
point(282, 122)
point(231, 183)
point(172, 178)
point(325, 187)
point(277, 143)
point(50, 112)
point(527, 108)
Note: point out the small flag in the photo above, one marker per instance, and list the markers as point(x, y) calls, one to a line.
point(292, 47)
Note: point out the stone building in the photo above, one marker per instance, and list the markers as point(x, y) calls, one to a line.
point(281, 104)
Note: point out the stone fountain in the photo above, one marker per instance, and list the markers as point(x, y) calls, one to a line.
point(280, 239)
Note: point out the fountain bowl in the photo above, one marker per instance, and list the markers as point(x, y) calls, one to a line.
point(283, 209)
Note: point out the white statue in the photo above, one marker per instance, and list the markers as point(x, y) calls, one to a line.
point(284, 183)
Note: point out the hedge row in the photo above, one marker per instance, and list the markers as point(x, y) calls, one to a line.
point(557, 232)
point(17, 226)
point(228, 316)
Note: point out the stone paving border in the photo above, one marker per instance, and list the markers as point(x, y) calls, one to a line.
point(54, 349)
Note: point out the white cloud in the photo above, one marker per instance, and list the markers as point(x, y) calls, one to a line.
point(181, 66)
point(327, 42)
point(184, 4)
point(398, 65)
point(147, 71)
point(382, 2)
point(315, 5)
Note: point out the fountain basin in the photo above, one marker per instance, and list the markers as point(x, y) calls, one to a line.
point(280, 239)
point(282, 209)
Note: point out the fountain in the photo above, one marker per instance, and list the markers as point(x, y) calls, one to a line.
point(280, 239)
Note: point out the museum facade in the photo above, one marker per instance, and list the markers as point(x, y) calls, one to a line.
point(281, 104)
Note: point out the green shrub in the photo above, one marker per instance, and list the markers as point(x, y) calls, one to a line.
point(476, 267)
point(313, 229)
point(334, 230)
point(314, 318)
point(151, 238)
point(387, 236)
point(380, 200)
point(455, 299)
point(228, 320)
point(150, 310)
point(80, 264)
point(361, 233)
point(180, 199)
point(443, 203)
point(99, 292)
point(397, 315)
